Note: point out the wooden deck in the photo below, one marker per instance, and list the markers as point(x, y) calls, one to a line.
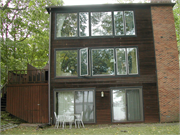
point(28, 76)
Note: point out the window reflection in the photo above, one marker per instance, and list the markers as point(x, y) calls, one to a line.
point(66, 63)
point(130, 29)
point(84, 61)
point(65, 103)
point(101, 23)
point(84, 102)
point(119, 105)
point(84, 24)
point(127, 104)
point(121, 61)
point(103, 61)
point(74, 102)
point(119, 23)
point(132, 60)
point(66, 25)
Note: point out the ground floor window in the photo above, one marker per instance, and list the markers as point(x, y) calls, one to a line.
point(126, 104)
point(76, 101)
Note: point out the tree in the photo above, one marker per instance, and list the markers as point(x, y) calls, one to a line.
point(24, 34)
point(176, 11)
point(133, 1)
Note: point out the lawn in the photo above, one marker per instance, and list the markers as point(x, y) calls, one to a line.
point(149, 129)
point(114, 129)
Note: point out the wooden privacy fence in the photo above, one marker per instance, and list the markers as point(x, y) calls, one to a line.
point(28, 102)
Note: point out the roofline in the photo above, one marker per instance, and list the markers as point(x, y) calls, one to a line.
point(75, 8)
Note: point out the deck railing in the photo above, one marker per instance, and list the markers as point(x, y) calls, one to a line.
point(27, 76)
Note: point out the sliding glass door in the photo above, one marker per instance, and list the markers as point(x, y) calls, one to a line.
point(74, 102)
point(127, 105)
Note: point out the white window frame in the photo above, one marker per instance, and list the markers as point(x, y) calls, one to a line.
point(86, 63)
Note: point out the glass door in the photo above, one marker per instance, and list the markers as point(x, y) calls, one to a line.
point(126, 105)
point(119, 105)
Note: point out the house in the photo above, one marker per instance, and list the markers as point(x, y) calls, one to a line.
point(118, 63)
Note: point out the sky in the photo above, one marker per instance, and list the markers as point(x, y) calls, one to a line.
point(85, 2)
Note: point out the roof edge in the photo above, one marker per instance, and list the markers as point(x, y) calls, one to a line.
point(79, 7)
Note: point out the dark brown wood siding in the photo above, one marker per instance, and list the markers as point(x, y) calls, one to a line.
point(146, 79)
point(28, 102)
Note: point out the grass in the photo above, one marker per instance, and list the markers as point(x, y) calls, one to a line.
point(8, 118)
point(113, 129)
point(99, 130)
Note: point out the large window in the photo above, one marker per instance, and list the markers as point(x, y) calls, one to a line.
point(102, 61)
point(66, 25)
point(74, 102)
point(96, 62)
point(66, 63)
point(101, 23)
point(127, 104)
point(85, 24)
point(126, 61)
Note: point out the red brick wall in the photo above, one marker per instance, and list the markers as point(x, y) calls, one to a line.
point(167, 62)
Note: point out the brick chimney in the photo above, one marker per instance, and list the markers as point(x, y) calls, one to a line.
point(167, 62)
point(160, 1)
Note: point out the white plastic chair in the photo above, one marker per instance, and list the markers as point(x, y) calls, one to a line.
point(79, 120)
point(61, 120)
point(57, 120)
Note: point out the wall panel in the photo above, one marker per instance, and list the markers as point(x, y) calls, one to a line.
point(28, 102)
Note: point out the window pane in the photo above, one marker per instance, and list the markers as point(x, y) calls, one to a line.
point(84, 101)
point(66, 25)
point(130, 29)
point(103, 61)
point(84, 24)
point(84, 61)
point(121, 61)
point(65, 103)
point(119, 105)
point(66, 63)
point(132, 60)
point(119, 23)
point(133, 103)
point(101, 23)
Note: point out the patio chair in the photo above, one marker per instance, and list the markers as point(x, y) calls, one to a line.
point(61, 120)
point(79, 120)
point(57, 120)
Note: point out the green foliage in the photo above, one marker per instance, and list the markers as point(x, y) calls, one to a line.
point(24, 34)
point(176, 12)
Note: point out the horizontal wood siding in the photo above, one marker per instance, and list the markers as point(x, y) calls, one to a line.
point(146, 79)
point(28, 102)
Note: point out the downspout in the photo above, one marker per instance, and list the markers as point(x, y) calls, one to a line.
point(49, 88)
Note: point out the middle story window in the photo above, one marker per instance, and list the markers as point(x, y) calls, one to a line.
point(96, 62)
point(103, 61)
point(67, 63)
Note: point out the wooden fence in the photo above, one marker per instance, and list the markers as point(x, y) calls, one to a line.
point(28, 102)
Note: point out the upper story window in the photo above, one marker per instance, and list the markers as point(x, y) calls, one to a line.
point(66, 25)
point(101, 23)
point(94, 24)
point(96, 62)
